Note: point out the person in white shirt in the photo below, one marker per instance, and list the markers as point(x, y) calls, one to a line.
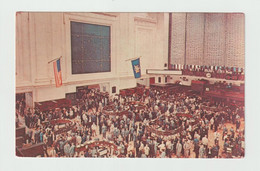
point(187, 147)
point(124, 117)
point(168, 148)
point(130, 147)
point(111, 128)
point(216, 137)
point(225, 135)
point(178, 149)
point(52, 152)
point(67, 149)
point(162, 146)
point(100, 106)
point(71, 113)
point(196, 135)
point(69, 136)
point(93, 128)
point(211, 123)
point(72, 150)
point(78, 140)
point(202, 151)
point(120, 138)
point(141, 146)
point(67, 114)
point(146, 150)
point(45, 138)
point(163, 154)
point(84, 117)
point(205, 141)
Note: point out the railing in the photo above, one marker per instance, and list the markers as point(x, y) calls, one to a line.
point(214, 74)
point(170, 132)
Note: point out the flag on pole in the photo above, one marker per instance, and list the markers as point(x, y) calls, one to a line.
point(57, 73)
point(136, 67)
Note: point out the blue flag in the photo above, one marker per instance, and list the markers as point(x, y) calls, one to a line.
point(136, 68)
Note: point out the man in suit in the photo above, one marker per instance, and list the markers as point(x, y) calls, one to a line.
point(196, 149)
point(72, 150)
point(202, 151)
point(237, 124)
point(67, 149)
point(178, 149)
point(187, 147)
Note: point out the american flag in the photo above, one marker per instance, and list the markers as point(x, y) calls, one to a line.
point(57, 73)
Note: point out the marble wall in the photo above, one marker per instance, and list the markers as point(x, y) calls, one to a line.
point(41, 37)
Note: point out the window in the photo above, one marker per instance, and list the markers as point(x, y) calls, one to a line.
point(90, 48)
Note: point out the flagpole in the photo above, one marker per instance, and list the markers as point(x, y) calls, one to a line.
point(54, 59)
point(133, 58)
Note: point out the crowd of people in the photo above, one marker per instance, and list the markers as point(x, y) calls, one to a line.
point(230, 73)
point(217, 69)
point(209, 137)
